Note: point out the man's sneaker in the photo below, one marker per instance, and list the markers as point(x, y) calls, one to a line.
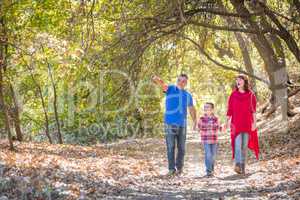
point(170, 173)
point(178, 172)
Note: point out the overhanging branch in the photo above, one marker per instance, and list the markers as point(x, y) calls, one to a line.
point(202, 51)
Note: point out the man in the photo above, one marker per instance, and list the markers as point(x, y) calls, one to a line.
point(175, 118)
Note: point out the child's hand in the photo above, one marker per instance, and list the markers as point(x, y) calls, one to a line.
point(195, 126)
point(224, 127)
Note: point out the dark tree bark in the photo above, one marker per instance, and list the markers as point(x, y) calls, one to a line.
point(43, 106)
point(3, 62)
point(60, 140)
point(281, 74)
point(296, 3)
point(4, 108)
point(283, 33)
point(40, 93)
point(45, 113)
point(16, 115)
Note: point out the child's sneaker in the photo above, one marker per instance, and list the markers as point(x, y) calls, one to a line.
point(209, 175)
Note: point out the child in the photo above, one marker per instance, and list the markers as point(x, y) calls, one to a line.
point(209, 127)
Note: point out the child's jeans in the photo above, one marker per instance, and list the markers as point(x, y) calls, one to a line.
point(240, 148)
point(210, 156)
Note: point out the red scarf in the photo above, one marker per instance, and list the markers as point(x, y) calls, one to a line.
point(241, 107)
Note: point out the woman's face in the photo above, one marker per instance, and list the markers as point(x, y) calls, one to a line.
point(240, 83)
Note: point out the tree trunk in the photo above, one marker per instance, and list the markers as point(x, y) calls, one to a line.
point(4, 108)
point(44, 110)
point(281, 75)
point(3, 52)
point(60, 140)
point(43, 104)
point(16, 115)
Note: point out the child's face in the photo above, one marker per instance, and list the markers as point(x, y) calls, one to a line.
point(208, 109)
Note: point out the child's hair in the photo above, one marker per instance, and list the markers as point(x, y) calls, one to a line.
point(211, 104)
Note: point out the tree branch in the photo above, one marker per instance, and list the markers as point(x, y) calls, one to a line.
point(202, 51)
point(232, 29)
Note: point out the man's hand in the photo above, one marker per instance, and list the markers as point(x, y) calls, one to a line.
point(155, 78)
point(160, 82)
point(193, 114)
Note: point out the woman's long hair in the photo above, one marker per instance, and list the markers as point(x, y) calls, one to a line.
point(246, 80)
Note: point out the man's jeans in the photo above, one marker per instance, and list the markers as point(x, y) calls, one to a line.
point(175, 133)
point(240, 148)
point(210, 156)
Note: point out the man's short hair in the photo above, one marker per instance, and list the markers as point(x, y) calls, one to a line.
point(183, 75)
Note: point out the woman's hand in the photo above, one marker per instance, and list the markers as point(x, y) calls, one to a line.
point(224, 127)
point(253, 127)
point(228, 123)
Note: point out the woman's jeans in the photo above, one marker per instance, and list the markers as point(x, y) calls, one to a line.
point(175, 134)
point(210, 156)
point(240, 148)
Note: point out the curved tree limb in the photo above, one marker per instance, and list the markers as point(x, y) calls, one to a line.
point(233, 29)
point(202, 51)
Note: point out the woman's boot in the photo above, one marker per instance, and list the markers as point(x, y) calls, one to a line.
point(243, 172)
point(237, 168)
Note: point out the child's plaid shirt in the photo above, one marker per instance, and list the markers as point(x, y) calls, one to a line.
point(209, 127)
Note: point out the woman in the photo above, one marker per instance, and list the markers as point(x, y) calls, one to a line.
point(242, 120)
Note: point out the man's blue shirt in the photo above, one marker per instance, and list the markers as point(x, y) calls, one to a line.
point(177, 101)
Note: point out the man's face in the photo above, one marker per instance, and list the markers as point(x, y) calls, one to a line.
point(182, 81)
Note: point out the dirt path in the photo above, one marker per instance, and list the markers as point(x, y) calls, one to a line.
point(259, 182)
point(134, 169)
